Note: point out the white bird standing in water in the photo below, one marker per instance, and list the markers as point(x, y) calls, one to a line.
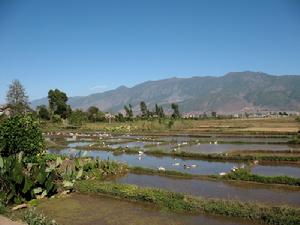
point(233, 169)
point(161, 168)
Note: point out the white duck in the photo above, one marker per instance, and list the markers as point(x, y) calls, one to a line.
point(161, 168)
point(141, 153)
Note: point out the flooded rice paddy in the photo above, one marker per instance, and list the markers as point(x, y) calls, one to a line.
point(217, 189)
point(191, 166)
point(80, 144)
point(79, 209)
point(212, 138)
point(277, 170)
point(169, 163)
point(95, 210)
point(134, 144)
point(209, 148)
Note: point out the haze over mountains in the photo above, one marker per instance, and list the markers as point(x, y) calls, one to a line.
point(231, 93)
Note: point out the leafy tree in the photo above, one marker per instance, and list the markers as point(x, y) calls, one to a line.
point(20, 134)
point(43, 112)
point(58, 103)
point(120, 117)
point(77, 118)
point(56, 119)
point(214, 114)
point(144, 109)
point(92, 113)
point(171, 123)
point(95, 115)
point(159, 111)
point(3, 117)
point(128, 110)
point(176, 113)
point(17, 99)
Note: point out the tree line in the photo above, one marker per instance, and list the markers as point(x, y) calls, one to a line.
point(58, 109)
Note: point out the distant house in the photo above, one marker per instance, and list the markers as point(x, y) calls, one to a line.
point(109, 117)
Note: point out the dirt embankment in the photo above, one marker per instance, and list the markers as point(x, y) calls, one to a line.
point(6, 221)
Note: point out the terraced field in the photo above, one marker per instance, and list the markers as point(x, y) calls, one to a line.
point(206, 165)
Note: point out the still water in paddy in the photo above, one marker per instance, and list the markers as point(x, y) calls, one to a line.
point(169, 163)
point(221, 148)
point(78, 209)
point(201, 167)
point(217, 189)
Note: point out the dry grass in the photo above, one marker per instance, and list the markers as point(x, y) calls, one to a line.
point(227, 126)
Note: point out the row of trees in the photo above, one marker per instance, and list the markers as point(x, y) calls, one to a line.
point(158, 111)
point(146, 113)
point(59, 110)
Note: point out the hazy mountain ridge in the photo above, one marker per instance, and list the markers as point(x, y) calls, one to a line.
point(232, 92)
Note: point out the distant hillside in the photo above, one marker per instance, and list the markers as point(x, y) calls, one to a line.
point(234, 92)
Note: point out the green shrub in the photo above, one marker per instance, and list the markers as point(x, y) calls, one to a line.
point(22, 181)
point(277, 215)
point(2, 208)
point(56, 119)
point(31, 217)
point(77, 118)
point(20, 134)
point(245, 175)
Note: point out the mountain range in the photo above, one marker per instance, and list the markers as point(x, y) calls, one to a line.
point(231, 93)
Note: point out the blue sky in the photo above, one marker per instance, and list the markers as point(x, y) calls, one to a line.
point(86, 46)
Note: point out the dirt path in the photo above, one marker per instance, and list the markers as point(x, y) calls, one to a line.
point(6, 221)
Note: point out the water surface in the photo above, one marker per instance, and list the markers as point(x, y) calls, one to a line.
point(202, 167)
point(217, 189)
point(191, 166)
point(220, 148)
point(134, 144)
point(80, 144)
point(277, 170)
point(83, 209)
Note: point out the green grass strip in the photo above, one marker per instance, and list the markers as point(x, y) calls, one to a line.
point(245, 175)
point(226, 156)
point(239, 175)
point(176, 202)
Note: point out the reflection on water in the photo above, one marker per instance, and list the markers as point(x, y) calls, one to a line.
point(80, 144)
point(217, 189)
point(79, 209)
point(210, 148)
point(224, 139)
point(276, 170)
point(192, 166)
point(220, 148)
point(169, 163)
point(136, 144)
